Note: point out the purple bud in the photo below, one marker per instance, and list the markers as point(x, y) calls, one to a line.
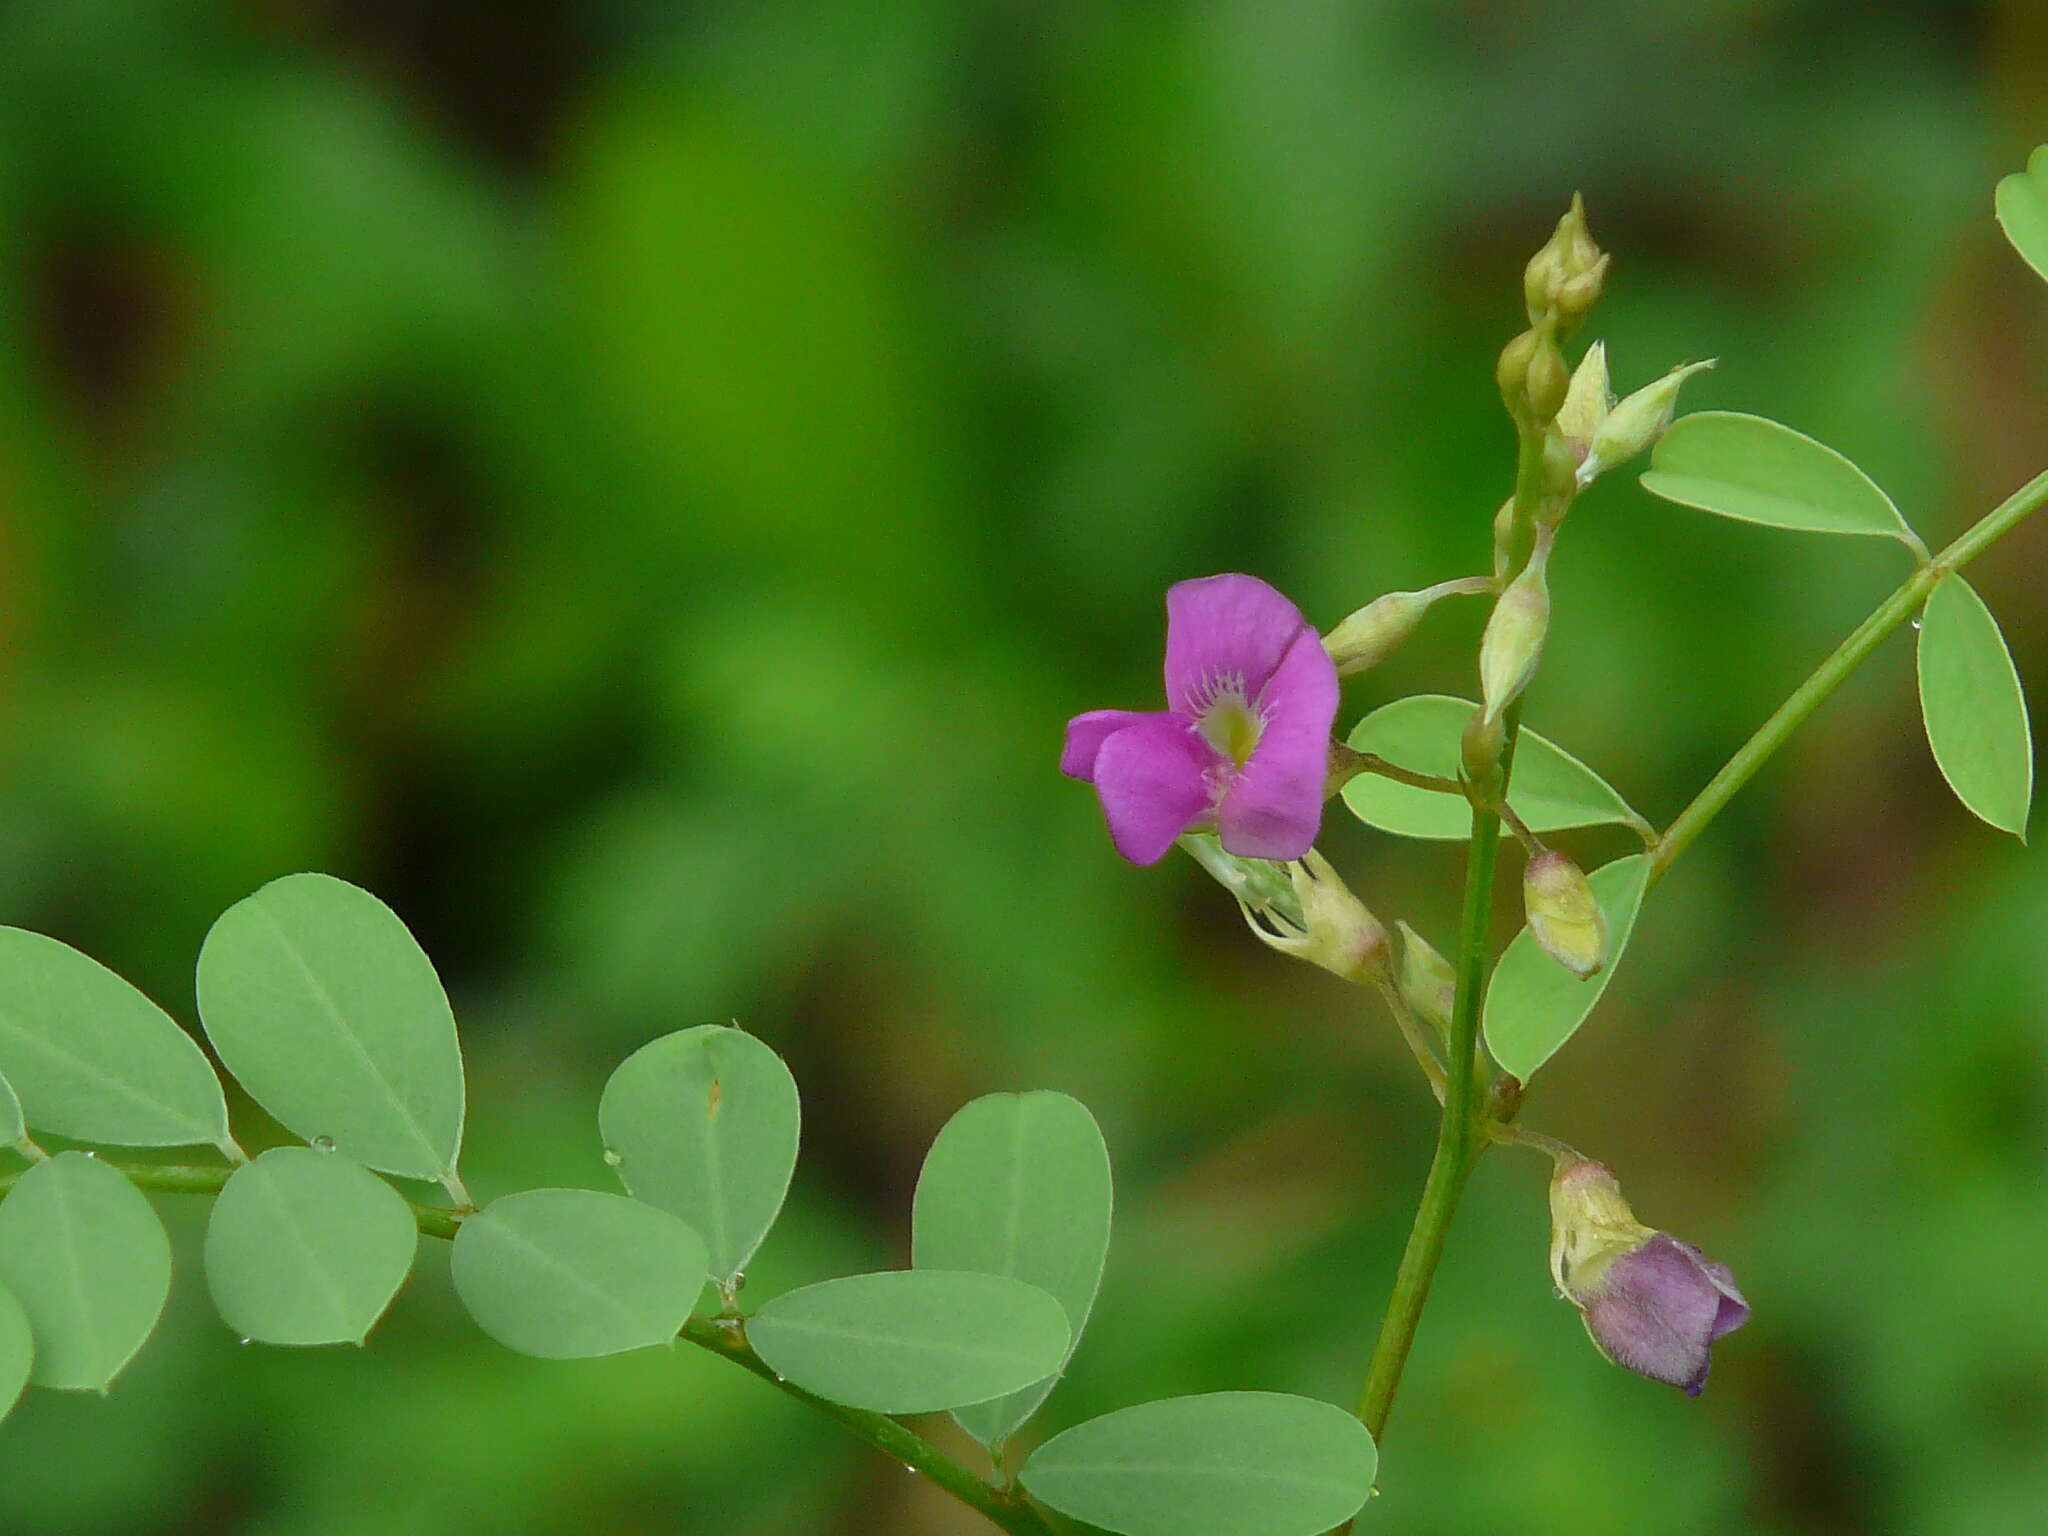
point(1650, 1302)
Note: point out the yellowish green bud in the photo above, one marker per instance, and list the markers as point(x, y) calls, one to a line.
point(1560, 477)
point(1427, 980)
point(1563, 914)
point(1511, 373)
point(1544, 275)
point(1587, 402)
point(1564, 278)
point(1636, 423)
point(1548, 381)
point(1367, 637)
point(1335, 930)
point(1577, 295)
point(1513, 643)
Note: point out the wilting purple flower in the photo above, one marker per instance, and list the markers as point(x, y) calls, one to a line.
point(1650, 1302)
point(1244, 742)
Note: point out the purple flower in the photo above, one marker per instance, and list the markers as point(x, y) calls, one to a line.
point(1650, 1302)
point(1244, 742)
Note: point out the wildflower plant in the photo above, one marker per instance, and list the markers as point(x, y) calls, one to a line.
point(317, 1000)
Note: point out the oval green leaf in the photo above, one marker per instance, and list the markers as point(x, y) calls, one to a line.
point(704, 1123)
point(87, 1258)
point(912, 1340)
point(1551, 790)
point(1759, 471)
point(327, 1011)
point(17, 1352)
point(1976, 714)
point(1017, 1184)
point(1533, 1004)
point(2022, 204)
point(306, 1248)
point(570, 1274)
point(94, 1059)
point(1222, 1464)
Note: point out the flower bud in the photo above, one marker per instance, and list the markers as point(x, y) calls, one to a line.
point(1544, 276)
point(1636, 423)
point(1563, 915)
point(1335, 930)
point(1365, 638)
point(1511, 373)
point(1560, 478)
point(1548, 380)
point(1577, 295)
point(1650, 1302)
point(1587, 402)
point(1513, 643)
point(1427, 980)
point(1564, 278)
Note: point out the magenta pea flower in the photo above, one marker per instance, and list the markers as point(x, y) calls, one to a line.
point(1244, 742)
point(1650, 1302)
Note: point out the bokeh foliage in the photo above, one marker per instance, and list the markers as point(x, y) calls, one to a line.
point(641, 488)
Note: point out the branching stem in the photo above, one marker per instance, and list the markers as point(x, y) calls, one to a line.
point(1849, 655)
point(725, 1337)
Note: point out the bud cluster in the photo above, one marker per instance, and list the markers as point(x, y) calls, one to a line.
point(1564, 279)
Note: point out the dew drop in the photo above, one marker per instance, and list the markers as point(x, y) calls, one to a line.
point(323, 1143)
point(1916, 623)
point(245, 1341)
point(612, 1159)
point(90, 1153)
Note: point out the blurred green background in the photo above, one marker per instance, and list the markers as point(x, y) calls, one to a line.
point(641, 487)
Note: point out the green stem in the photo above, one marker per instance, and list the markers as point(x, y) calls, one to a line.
point(1509, 1135)
point(724, 1337)
point(1849, 655)
point(1456, 1143)
point(1372, 762)
point(727, 1338)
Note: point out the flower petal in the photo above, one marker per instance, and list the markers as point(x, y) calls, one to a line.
point(1153, 778)
point(1275, 806)
point(1654, 1311)
point(1086, 734)
point(1734, 1311)
point(1218, 627)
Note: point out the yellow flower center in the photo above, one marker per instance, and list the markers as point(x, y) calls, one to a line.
point(1230, 724)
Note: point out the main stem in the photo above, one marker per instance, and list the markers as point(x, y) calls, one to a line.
point(1456, 1143)
point(725, 1337)
point(1849, 655)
